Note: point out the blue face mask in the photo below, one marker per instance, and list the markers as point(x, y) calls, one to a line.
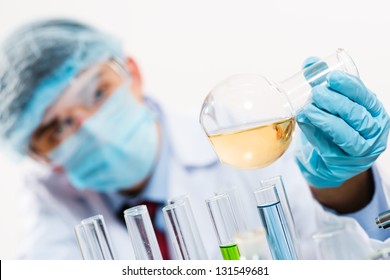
point(114, 149)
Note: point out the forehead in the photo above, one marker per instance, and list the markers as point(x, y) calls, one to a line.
point(83, 84)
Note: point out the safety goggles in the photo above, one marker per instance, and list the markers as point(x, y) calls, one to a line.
point(82, 99)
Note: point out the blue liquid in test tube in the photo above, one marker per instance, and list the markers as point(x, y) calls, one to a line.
point(278, 235)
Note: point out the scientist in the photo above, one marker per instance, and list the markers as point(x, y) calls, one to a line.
point(73, 102)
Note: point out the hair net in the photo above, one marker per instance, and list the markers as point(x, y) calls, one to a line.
point(37, 62)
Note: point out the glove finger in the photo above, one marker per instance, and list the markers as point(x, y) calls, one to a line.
point(309, 61)
point(322, 162)
point(313, 66)
point(317, 138)
point(352, 113)
point(353, 88)
point(337, 130)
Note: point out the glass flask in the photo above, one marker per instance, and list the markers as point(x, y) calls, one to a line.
point(334, 242)
point(250, 120)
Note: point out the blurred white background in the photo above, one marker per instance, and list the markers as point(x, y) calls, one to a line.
point(185, 47)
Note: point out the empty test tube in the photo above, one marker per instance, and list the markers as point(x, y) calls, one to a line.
point(183, 231)
point(277, 232)
point(142, 234)
point(225, 225)
point(93, 239)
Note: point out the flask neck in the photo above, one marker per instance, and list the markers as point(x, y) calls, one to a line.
point(297, 88)
point(297, 94)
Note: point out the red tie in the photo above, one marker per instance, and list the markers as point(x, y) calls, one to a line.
point(160, 235)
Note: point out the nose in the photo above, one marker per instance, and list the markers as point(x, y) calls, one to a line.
point(80, 114)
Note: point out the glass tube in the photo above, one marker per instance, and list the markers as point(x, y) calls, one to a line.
point(278, 183)
point(330, 243)
point(225, 225)
point(272, 215)
point(383, 254)
point(194, 228)
point(252, 242)
point(183, 230)
point(142, 234)
point(93, 239)
point(335, 240)
point(238, 210)
point(297, 88)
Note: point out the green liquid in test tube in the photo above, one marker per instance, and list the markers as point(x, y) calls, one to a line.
point(230, 252)
point(225, 225)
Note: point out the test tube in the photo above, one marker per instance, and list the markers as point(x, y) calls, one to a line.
point(142, 234)
point(252, 242)
point(225, 225)
point(183, 231)
point(236, 202)
point(93, 239)
point(278, 182)
point(277, 232)
point(194, 227)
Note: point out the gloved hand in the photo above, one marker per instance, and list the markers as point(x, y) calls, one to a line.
point(345, 129)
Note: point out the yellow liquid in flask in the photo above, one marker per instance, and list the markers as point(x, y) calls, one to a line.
point(254, 147)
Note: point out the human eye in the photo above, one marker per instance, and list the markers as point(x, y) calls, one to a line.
point(62, 127)
point(99, 95)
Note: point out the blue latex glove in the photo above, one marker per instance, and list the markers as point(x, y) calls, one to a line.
point(345, 129)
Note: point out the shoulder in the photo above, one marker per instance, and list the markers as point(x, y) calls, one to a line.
point(37, 177)
point(46, 191)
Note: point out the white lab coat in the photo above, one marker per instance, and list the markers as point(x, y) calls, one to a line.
point(52, 206)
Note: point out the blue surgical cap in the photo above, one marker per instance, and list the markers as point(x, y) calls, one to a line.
point(37, 63)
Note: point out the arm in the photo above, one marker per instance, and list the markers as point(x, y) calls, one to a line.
point(48, 225)
point(353, 195)
point(361, 198)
